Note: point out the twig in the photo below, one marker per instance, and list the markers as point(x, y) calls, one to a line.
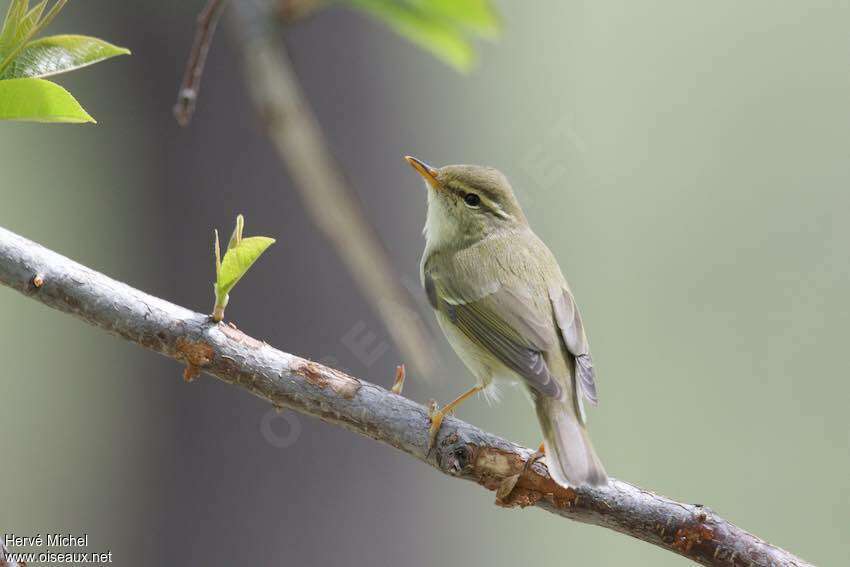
point(191, 85)
point(462, 450)
point(294, 130)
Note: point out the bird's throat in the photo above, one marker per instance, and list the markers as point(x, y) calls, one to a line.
point(440, 229)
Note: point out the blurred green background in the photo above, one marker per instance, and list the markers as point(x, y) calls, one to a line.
point(687, 162)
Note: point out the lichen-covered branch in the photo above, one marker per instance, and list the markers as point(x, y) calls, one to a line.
point(286, 380)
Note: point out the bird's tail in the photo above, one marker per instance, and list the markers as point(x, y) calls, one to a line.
point(570, 457)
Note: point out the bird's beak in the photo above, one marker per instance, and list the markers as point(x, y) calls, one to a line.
point(428, 173)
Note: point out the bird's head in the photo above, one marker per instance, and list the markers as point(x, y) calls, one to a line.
point(466, 203)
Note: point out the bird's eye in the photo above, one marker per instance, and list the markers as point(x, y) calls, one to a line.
point(472, 200)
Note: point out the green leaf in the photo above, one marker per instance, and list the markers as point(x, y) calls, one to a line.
point(442, 27)
point(16, 12)
point(59, 54)
point(238, 259)
point(31, 20)
point(476, 16)
point(12, 25)
point(22, 24)
point(37, 100)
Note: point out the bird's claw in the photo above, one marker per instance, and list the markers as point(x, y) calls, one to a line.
point(437, 414)
point(533, 458)
point(509, 483)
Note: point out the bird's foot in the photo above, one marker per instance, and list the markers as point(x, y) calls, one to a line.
point(436, 415)
point(534, 457)
point(508, 484)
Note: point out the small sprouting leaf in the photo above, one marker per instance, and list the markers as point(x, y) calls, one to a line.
point(37, 100)
point(442, 27)
point(239, 259)
point(59, 54)
point(217, 252)
point(240, 255)
point(236, 236)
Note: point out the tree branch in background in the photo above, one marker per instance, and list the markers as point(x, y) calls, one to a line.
point(294, 130)
point(297, 136)
point(286, 380)
point(191, 85)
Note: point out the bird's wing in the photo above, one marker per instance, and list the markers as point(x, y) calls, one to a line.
point(572, 331)
point(498, 320)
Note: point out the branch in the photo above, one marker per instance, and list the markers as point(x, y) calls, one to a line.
point(286, 380)
point(191, 85)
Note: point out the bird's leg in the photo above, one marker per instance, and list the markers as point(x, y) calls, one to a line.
point(437, 415)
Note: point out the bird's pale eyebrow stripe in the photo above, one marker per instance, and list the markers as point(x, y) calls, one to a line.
point(498, 210)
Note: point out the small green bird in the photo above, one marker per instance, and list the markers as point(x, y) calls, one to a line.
point(505, 307)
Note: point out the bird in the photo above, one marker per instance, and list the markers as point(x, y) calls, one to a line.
point(505, 307)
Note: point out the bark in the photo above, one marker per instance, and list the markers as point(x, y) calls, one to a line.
point(288, 381)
